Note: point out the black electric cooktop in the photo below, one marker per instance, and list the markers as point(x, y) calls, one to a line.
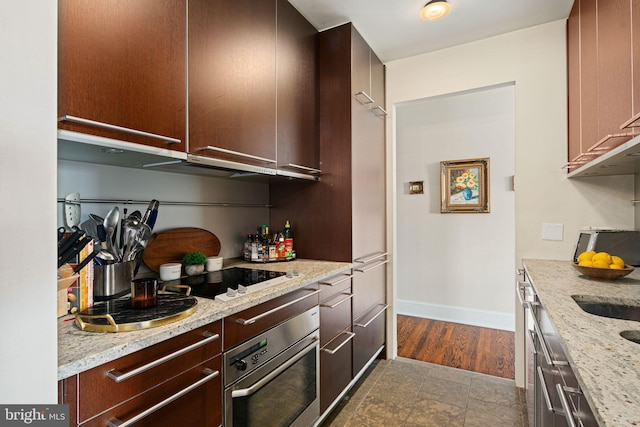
point(216, 283)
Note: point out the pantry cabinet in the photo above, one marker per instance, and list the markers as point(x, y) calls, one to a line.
point(175, 382)
point(121, 70)
point(601, 77)
point(343, 217)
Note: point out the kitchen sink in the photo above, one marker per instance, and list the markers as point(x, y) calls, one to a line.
point(615, 308)
point(631, 336)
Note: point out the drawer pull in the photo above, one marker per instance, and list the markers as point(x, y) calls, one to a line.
point(382, 111)
point(568, 414)
point(303, 168)
point(545, 391)
point(94, 123)
point(118, 376)
point(520, 291)
point(349, 335)
point(210, 374)
point(348, 297)
point(363, 94)
point(369, 258)
point(364, 270)
point(236, 153)
point(344, 279)
point(384, 308)
point(245, 322)
point(543, 343)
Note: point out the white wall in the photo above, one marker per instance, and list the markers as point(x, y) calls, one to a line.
point(28, 54)
point(229, 224)
point(535, 59)
point(456, 267)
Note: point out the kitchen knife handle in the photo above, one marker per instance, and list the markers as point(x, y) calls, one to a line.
point(85, 261)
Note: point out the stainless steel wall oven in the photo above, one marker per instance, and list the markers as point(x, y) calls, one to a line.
point(273, 379)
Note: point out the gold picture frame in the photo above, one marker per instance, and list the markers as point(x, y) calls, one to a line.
point(464, 186)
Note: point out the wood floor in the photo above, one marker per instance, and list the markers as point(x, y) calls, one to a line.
point(483, 350)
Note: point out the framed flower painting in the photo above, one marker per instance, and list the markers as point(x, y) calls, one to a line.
point(464, 186)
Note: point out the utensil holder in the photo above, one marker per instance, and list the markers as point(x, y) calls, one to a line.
point(112, 280)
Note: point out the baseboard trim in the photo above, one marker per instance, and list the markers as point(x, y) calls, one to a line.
point(486, 319)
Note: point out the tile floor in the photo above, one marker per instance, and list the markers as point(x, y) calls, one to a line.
point(405, 392)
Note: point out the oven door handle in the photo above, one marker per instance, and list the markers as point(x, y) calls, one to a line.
point(257, 386)
point(245, 322)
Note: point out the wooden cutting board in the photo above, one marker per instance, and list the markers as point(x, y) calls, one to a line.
point(171, 245)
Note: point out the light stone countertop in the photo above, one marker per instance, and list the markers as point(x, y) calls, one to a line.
point(607, 366)
point(79, 351)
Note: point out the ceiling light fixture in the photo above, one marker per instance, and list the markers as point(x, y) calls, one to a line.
point(435, 9)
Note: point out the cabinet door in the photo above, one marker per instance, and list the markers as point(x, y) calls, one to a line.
point(360, 70)
point(614, 68)
point(370, 336)
point(297, 119)
point(232, 90)
point(369, 286)
point(635, 41)
point(335, 368)
point(122, 63)
point(573, 81)
point(588, 75)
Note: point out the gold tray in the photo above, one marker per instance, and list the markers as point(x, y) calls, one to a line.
point(118, 316)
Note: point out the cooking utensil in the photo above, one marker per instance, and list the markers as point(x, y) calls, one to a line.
point(74, 250)
point(110, 224)
point(151, 214)
point(72, 210)
point(67, 243)
point(85, 261)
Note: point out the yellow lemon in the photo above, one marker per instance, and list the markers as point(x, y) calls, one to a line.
point(586, 256)
point(616, 266)
point(600, 263)
point(586, 263)
point(616, 260)
point(602, 256)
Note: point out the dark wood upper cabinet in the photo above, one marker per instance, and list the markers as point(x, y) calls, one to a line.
point(122, 63)
point(614, 68)
point(232, 75)
point(297, 118)
point(635, 41)
point(601, 76)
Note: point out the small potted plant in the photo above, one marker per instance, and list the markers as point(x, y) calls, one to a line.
point(194, 263)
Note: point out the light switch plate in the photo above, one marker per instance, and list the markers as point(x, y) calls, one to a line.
point(552, 231)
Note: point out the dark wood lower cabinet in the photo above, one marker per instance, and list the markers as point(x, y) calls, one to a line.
point(369, 336)
point(335, 368)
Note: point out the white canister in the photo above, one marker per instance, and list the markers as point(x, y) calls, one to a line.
point(170, 271)
point(214, 263)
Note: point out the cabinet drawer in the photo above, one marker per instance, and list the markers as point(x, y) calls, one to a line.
point(253, 321)
point(192, 399)
point(334, 285)
point(99, 391)
point(369, 286)
point(370, 336)
point(335, 368)
point(335, 315)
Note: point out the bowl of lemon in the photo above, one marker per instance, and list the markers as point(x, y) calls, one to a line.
point(601, 265)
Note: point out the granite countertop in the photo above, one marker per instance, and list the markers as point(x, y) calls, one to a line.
point(79, 351)
point(607, 366)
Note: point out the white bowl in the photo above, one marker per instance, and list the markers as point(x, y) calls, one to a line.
point(214, 263)
point(170, 271)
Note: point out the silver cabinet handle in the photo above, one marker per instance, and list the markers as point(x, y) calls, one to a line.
point(347, 277)
point(545, 391)
point(568, 414)
point(245, 322)
point(102, 125)
point(302, 168)
point(118, 376)
point(543, 345)
point(364, 270)
point(235, 153)
point(520, 291)
point(210, 374)
point(371, 257)
point(532, 341)
point(373, 318)
point(382, 111)
point(363, 94)
point(348, 297)
point(349, 335)
point(286, 365)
